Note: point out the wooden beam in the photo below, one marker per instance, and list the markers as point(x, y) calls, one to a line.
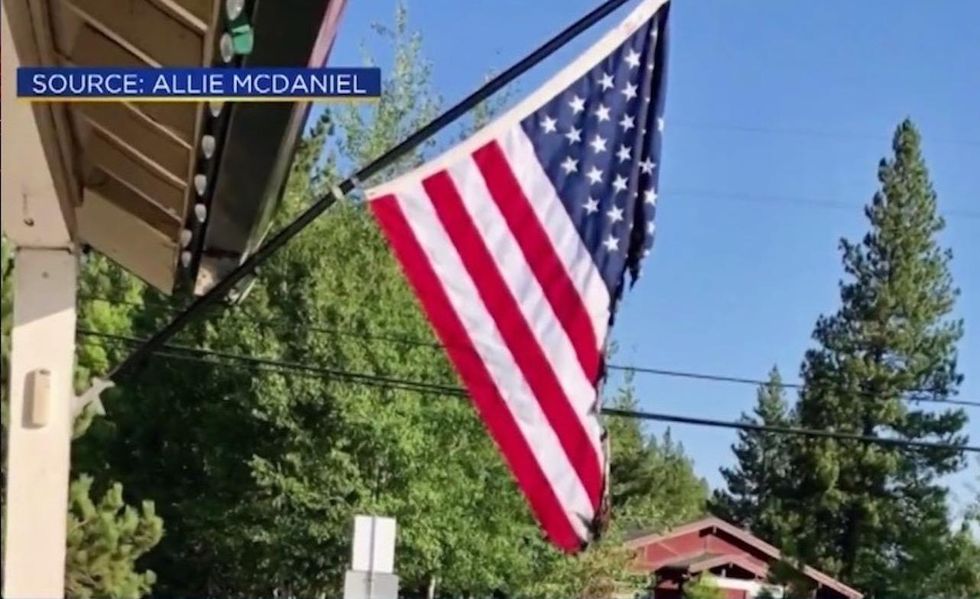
point(38, 207)
point(207, 58)
point(128, 241)
point(135, 203)
point(196, 14)
point(137, 133)
point(107, 156)
point(91, 48)
point(144, 29)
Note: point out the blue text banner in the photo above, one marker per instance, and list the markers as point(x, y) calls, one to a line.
point(197, 84)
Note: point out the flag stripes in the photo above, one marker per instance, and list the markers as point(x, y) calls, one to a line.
point(542, 258)
point(496, 387)
point(517, 242)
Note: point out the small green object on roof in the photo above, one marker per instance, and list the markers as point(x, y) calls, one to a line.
point(243, 39)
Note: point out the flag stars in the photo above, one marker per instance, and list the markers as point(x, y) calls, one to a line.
point(615, 214)
point(604, 127)
point(632, 58)
point(602, 113)
point(598, 144)
point(570, 165)
point(623, 153)
point(660, 123)
point(595, 176)
point(619, 183)
point(627, 123)
point(606, 81)
point(549, 125)
point(629, 92)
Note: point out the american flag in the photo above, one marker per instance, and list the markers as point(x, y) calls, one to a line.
point(518, 243)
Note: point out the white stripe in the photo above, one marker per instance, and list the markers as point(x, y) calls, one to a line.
point(522, 283)
point(479, 325)
point(561, 231)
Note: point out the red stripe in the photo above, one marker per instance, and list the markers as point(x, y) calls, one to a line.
point(516, 332)
point(540, 254)
point(494, 411)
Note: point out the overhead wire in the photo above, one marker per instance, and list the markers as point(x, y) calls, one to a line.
point(792, 200)
point(812, 132)
point(372, 379)
point(407, 340)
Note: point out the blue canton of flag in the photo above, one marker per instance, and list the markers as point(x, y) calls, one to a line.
point(599, 142)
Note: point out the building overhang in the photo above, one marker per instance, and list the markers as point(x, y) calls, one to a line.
point(165, 189)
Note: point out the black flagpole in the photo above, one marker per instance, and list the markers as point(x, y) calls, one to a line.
point(129, 366)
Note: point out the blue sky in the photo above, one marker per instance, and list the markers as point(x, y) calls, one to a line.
point(777, 114)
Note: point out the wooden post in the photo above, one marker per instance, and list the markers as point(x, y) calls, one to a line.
point(40, 426)
point(37, 220)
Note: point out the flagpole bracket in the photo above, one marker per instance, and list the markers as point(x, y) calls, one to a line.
point(92, 395)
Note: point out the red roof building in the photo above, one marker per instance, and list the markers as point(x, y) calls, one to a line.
point(738, 561)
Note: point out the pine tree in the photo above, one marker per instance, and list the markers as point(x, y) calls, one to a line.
point(860, 508)
point(652, 481)
point(753, 495)
point(104, 541)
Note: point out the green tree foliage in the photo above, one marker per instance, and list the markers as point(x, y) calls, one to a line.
point(104, 540)
point(757, 482)
point(653, 484)
point(788, 574)
point(258, 472)
point(702, 587)
point(875, 515)
point(6, 321)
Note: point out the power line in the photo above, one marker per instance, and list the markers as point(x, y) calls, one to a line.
point(406, 340)
point(275, 365)
point(371, 379)
point(792, 200)
point(807, 132)
point(718, 378)
point(786, 430)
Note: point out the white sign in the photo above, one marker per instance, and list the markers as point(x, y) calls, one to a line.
point(373, 549)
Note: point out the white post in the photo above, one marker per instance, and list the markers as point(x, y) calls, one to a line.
point(371, 574)
point(40, 425)
point(37, 220)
